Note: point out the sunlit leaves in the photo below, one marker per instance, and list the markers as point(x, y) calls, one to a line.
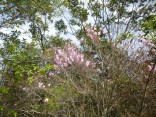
point(149, 23)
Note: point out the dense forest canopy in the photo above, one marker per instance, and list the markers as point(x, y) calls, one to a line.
point(109, 71)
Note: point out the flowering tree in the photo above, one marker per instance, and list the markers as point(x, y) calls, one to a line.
point(69, 55)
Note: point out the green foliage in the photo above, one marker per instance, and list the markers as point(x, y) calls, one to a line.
point(149, 23)
point(26, 10)
point(55, 41)
point(12, 113)
point(124, 36)
point(60, 26)
point(20, 58)
point(61, 94)
point(19, 63)
point(4, 90)
point(95, 7)
point(77, 10)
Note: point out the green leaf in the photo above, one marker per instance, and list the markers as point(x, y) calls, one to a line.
point(49, 66)
point(30, 80)
point(66, 3)
point(4, 90)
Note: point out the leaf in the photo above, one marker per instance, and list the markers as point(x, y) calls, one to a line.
point(38, 19)
point(49, 66)
point(66, 3)
point(30, 80)
point(4, 90)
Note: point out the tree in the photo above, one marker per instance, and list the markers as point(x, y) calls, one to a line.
point(116, 17)
point(38, 13)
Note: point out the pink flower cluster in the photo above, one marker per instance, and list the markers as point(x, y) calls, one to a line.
point(150, 67)
point(69, 55)
point(146, 42)
point(149, 44)
point(93, 33)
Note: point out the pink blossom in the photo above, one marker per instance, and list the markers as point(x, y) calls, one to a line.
point(99, 33)
point(65, 64)
point(92, 33)
point(110, 34)
point(69, 62)
point(146, 42)
point(149, 67)
point(59, 63)
point(57, 60)
point(71, 58)
point(81, 57)
point(95, 33)
point(69, 55)
point(101, 28)
point(77, 58)
point(51, 74)
point(55, 66)
point(91, 37)
point(87, 63)
point(88, 30)
point(150, 44)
